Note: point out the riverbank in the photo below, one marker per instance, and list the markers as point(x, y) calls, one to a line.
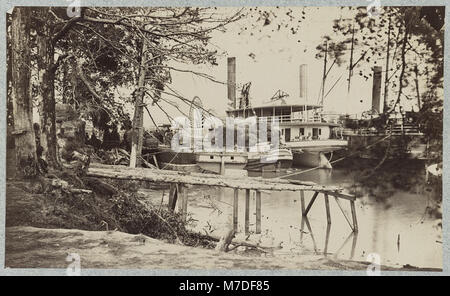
point(43, 228)
point(30, 247)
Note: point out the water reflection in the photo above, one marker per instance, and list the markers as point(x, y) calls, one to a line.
point(395, 227)
point(306, 221)
point(353, 236)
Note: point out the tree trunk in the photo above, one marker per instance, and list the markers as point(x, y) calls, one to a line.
point(403, 67)
point(416, 81)
point(24, 139)
point(47, 92)
point(138, 119)
point(386, 77)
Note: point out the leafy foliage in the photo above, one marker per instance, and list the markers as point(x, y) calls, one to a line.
point(411, 40)
point(366, 38)
point(274, 19)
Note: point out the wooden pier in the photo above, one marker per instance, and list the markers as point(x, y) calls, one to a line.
point(179, 190)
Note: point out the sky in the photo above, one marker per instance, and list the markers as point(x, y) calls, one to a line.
point(271, 61)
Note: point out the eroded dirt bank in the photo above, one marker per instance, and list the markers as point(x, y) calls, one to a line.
point(30, 247)
point(32, 210)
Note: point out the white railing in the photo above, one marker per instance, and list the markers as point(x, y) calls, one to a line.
point(289, 118)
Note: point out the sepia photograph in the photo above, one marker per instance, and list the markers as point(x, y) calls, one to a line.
point(224, 138)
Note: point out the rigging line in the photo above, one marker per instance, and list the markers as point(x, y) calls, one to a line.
point(186, 101)
point(333, 86)
point(173, 158)
point(164, 111)
point(151, 117)
point(320, 91)
point(329, 69)
point(368, 146)
point(173, 104)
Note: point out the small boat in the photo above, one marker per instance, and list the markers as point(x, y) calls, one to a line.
point(269, 160)
point(219, 162)
point(165, 155)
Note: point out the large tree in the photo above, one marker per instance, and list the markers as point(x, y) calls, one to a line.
point(84, 59)
point(24, 139)
point(395, 38)
point(408, 43)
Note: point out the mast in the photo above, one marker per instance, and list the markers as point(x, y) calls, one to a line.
point(350, 69)
point(324, 77)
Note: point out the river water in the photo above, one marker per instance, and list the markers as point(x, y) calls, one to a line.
point(396, 229)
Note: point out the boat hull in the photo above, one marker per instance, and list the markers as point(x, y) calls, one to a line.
point(168, 156)
point(311, 159)
point(316, 154)
point(188, 168)
point(219, 162)
point(257, 166)
point(274, 160)
point(318, 145)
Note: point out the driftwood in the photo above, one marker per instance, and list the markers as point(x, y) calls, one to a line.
point(100, 187)
point(238, 243)
point(147, 164)
point(64, 185)
point(225, 240)
point(80, 191)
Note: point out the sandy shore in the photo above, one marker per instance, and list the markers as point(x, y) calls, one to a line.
point(30, 247)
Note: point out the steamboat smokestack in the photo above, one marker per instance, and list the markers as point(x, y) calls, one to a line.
point(231, 82)
point(304, 82)
point(376, 89)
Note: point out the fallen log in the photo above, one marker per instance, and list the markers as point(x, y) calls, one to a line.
point(79, 191)
point(147, 164)
point(225, 240)
point(100, 187)
point(238, 243)
point(64, 185)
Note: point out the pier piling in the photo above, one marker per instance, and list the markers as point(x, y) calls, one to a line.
point(235, 209)
point(302, 201)
point(258, 211)
point(247, 212)
point(355, 222)
point(327, 207)
point(184, 201)
point(179, 191)
point(311, 202)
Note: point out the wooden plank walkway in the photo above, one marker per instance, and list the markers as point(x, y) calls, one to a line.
point(179, 180)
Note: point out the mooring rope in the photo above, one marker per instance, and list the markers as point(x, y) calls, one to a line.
point(167, 164)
